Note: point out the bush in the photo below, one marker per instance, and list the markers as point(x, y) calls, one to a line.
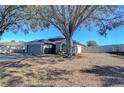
point(114, 50)
point(61, 53)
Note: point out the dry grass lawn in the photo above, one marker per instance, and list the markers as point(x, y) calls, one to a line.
point(84, 70)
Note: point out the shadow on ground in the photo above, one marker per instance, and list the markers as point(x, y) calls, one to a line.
point(12, 76)
point(13, 64)
point(119, 55)
point(113, 75)
point(48, 75)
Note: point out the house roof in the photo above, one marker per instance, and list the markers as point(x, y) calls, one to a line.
point(56, 39)
point(51, 41)
point(42, 41)
point(11, 44)
point(59, 39)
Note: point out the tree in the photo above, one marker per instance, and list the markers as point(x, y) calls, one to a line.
point(11, 17)
point(69, 19)
point(21, 41)
point(92, 43)
point(13, 41)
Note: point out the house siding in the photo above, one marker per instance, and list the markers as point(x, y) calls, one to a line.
point(58, 47)
point(44, 47)
point(79, 49)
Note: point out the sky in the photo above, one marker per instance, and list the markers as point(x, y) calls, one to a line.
point(115, 36)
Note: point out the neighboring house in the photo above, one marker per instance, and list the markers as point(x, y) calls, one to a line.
point(9, 47)
point(50, 46)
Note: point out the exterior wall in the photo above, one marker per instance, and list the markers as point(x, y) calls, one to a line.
point(34, 49)
point(26, 48)
point(79, 49)
point(58, 47)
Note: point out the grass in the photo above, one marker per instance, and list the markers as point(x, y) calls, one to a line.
point(88, 69)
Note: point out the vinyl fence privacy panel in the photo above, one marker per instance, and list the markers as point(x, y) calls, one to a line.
point(91, 50)
point(121, 48)
point(102, 49)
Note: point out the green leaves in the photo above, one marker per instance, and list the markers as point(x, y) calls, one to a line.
point(67, 19)
point(10, 16)
point(92, 43)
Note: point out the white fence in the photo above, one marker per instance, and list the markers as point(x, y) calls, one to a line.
point(105, 48)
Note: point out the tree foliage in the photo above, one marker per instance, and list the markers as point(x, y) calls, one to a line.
point(10, 17)
point(68, 19)
point(92, 43)
point(13, 41)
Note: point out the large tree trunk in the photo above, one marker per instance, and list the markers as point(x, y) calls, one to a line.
point(69, 48)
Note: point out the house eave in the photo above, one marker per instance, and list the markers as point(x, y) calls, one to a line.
point(32, 43)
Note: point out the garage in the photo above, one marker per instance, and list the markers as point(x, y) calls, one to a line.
point(40, 47)
point(34, 49)
point(49, 49)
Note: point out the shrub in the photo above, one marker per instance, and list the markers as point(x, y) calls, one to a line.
point(114, 50)
point(61, 53)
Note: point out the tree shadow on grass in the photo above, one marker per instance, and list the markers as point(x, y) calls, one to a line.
point(47, 75)
point(4, 74)
point(5, 65)
point(56, 74)
point(42, 74)
point(14, 81)
point(118, 55)
point(50, 61)
point(46, 62)
point(115, 74)
point(16, 64)
point(10, 78)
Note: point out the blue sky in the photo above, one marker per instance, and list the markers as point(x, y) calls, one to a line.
point(116, 36)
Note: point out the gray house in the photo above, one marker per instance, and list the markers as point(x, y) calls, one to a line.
point(50, 46)
point(39, 47)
